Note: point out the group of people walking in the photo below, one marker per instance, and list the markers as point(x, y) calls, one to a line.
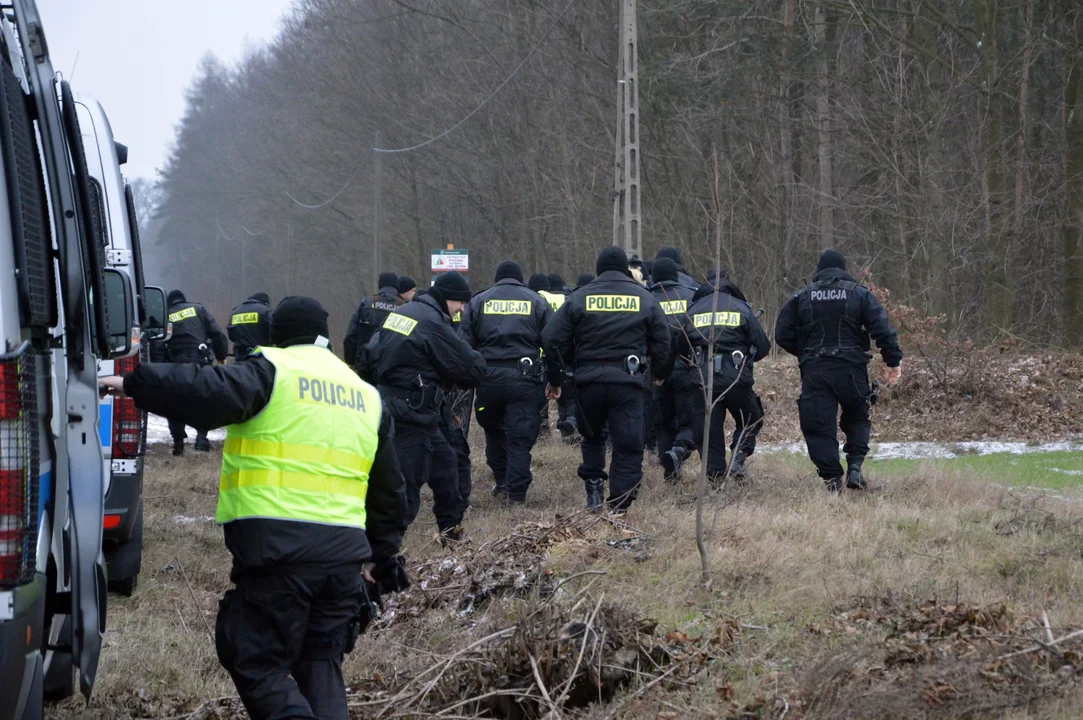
point(324, 460)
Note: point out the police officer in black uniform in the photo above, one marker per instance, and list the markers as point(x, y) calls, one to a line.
point(683, 279)
point(583, 280)
point(828, 325)
point(566, 425)
point(407, 288)
point(504, 324)
point(455, 424)
point(676, 397)
point(370, 315)
point(729, 340)
point(609, 329)
point(282, 631)
point(250, 325)
point(416, 360)
point(196, 338)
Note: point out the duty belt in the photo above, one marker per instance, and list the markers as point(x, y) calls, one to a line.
point(624, 364)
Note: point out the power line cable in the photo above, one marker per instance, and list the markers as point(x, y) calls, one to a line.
point(453, 128)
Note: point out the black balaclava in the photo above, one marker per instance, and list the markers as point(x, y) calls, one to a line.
point(556, 282)
point(450, 286)
point(584, 279)
point(613, 258)
point(508, 270)
point(262, 297)
point(831, 259)
point(538, 282)
point(388, 279)
point(664, 269)
point(298, 320)
point(405, 284)
point(175, 296)
point(672, 253)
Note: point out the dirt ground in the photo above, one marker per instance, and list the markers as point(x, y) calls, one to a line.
point(939, 596)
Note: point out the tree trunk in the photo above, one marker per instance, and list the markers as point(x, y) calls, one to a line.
point(785, 155)
point(1073, 222)
point(1024, 97)
point(823, 126)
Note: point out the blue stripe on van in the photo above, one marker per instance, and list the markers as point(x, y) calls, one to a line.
point(105, 423)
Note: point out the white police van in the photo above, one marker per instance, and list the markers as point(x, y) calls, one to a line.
point(61, 311)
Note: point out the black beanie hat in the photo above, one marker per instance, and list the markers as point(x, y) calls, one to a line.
point(612, 258)
point(831, 259)
point(717, 274)
point(298, 320)
point(175, 296)
point(664, 269)
point(262, 297)
point(670, 252)
point(538, 281)
point(388, 279)
point(509, 269)
point(451, 286)
point(556, 282)
point(584, 279)
point(405, 284)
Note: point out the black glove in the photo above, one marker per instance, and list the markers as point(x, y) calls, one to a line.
point(390, 575)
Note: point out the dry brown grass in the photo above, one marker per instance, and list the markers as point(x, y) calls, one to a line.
point(818, 585)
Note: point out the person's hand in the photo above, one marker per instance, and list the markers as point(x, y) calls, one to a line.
point(111, 386)
point(892, 375)
point(553, 393)
point(366, 572)
point(658, 382)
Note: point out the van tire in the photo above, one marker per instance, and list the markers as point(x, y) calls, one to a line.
point(59, 682)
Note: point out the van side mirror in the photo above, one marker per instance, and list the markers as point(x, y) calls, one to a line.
point(154, 327)
point(120, 306)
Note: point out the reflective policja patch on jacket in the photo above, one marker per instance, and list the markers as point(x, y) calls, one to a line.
point(245, 319)
point(721, 319)
point(183, 314)
point(822, 295)
point(329, 393)
point(674, 307)
point(507, 307)
point(400, 324)
point(612, 303)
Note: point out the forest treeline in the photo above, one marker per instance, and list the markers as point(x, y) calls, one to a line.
point(939, 143)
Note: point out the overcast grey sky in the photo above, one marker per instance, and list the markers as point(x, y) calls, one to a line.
point(138, 57)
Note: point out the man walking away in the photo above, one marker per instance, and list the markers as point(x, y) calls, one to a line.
point(250, 325)
point(417, 361)
point(610, 329)
point(504, 324)
point(828, 326)
point(370, 316)
point(311, 501)
point(196, 338)
point(729, 340)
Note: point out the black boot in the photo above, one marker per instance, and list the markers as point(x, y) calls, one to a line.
point(855, 480)
point(178, 447)
point(737, 466)
point(671, 462)
point(595, 494)
point(567, 427)
point(834, 485)
point(202, 444)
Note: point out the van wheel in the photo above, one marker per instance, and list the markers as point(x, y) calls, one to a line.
point(126, 586)
point(35, 702)
point(59, 682)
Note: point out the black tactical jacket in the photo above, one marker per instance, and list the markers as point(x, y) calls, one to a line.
point(416, 358)
point(675, 299)
point(830, 322)
point(249, 327)
point(194, 326)
point(504, 324)
point(211, 397)
point(601, 325)
point(367, 319)
point(726, 324)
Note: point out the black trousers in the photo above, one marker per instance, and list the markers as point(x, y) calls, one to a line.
point(180, 432)
point(823, 391)
point(508, 409)
point(282, 638)
point(744, 406)
point(458, 436)
point(620, 409)
point(678, 399)
point(426, 457)
point(650, 418)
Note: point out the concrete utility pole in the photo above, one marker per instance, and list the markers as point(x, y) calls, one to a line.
point(377, 182)
point(627, 228)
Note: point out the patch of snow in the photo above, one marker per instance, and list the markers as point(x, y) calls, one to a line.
point(945, 451)
point(158, 431)
point(1066, 472)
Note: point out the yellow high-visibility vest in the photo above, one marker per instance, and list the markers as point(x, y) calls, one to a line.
point(307, 456)
point(555, 300)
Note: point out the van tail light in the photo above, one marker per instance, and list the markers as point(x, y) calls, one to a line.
point(111, 522)
point(129, 422)
point(19, 462)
